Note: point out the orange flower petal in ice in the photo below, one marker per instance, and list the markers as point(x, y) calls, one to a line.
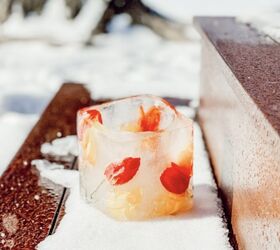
point(95, 115)
point(121, 173)
point(149, 121)
point(176, 179)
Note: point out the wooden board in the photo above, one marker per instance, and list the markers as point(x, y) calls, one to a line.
point(29, 205)
point(240, 117)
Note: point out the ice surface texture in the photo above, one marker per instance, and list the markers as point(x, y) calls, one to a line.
point(136, 158)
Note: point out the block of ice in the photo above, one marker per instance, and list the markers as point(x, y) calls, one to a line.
point(136, 158)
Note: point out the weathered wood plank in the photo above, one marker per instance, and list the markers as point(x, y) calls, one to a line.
point(240, 117)
point(29, 204)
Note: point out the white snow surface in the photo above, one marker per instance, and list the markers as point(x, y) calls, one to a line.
point(13, 130)
point(66, 146)
point(183, 10)
point(55, 172)
point(84, 227)
point(52, 26)
point(267, 21)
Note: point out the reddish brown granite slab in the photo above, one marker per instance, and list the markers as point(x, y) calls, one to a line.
point(29, 204)
point(254, 59)
point(240, 117)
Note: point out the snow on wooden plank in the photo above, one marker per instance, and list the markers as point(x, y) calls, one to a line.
point(29, 204)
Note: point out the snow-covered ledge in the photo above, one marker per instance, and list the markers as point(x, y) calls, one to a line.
point(85, 227)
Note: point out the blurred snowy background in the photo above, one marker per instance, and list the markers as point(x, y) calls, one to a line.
point(39, 53)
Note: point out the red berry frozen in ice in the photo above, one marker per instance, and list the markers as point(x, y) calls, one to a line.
point(176, 179)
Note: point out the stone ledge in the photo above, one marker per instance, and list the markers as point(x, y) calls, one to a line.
point(240, 117)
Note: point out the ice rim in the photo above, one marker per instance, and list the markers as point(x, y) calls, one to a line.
point(122, 135)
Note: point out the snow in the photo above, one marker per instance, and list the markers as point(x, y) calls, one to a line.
point(66, 146)
point(52, 26)
point(267, 21)
point(55, 172)
point(13, 130)
point(183, 10)
point(84, 227)
point(160, 65)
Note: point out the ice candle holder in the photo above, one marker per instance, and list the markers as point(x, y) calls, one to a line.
point(136, 158)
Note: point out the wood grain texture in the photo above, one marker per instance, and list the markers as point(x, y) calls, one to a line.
point(29, 203)
point(240, 117)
